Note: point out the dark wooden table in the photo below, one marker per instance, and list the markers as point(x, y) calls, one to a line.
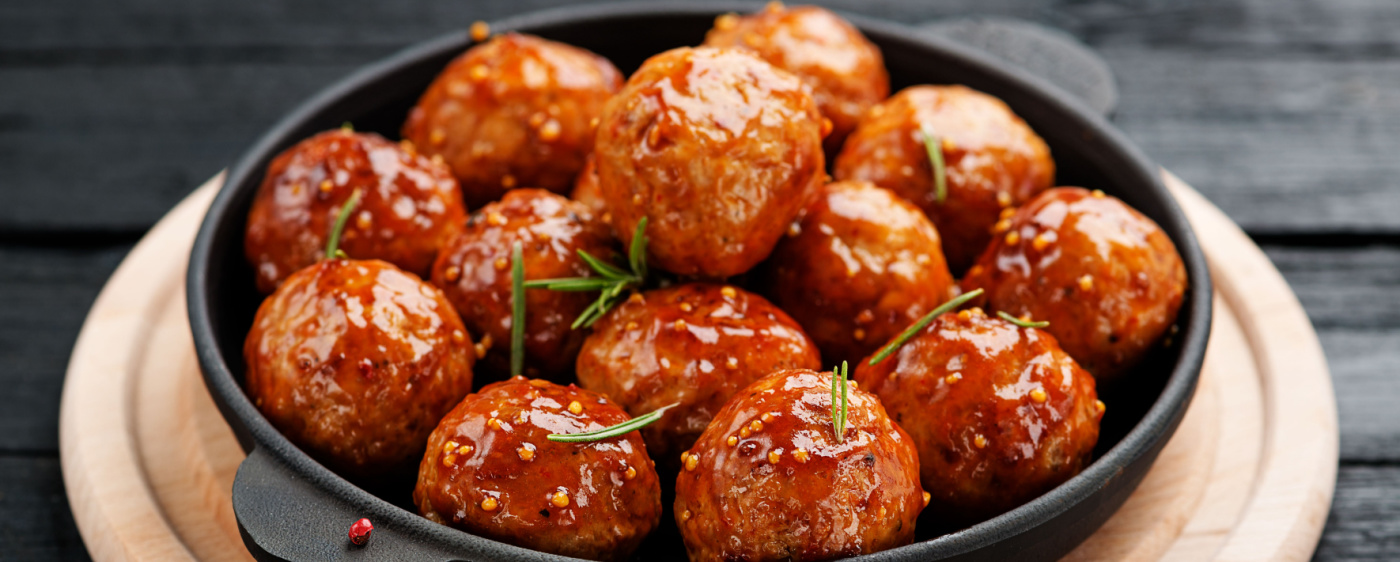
point(1285, 113)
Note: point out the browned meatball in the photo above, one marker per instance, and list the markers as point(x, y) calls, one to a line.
point(993, 160)
point(696, 344)
point(409, 207)
point(768, 479)
point(1000, 413)
point(514, 111)
point(474, 270)
point(1106, 277)
point(587, 191)
point(865, 265)
point(490, 470)
point(844, 69)
point(355, 362)
point(719, 150)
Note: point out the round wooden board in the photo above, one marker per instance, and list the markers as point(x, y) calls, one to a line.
point(149, 463)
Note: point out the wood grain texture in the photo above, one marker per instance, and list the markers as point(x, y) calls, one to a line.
point(44, 295)
point(99, 384)
point(33, 486)
point(1365, 520)
point(1281, 112)
point(1284, 519)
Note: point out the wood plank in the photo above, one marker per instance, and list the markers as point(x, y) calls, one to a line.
point(37, 524)
point(101, 158)
point(1268, 108)
point(1351, 288)
point(1352, 296)
point(45, 294)
point(1365, 519)
point(1283, 143)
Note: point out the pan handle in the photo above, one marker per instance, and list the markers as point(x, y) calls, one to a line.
point(284, 514)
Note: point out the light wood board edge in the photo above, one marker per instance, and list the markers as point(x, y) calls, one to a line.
point(117, 516)
point(1293, 491)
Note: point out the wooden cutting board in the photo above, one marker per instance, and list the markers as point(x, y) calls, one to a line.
point(149, 462)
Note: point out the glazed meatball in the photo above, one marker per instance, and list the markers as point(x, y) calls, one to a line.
point(491, 471)
point(719, 150)
point(514, 111)
point(992, 159)
point(865, 265)
point(409, 207)
point(1000, 414)
point(1106, 277)
point(844, 69)
point(768, 479)
point(695, 344)
point(474, 270)
point(587, 191)
point(355, 362)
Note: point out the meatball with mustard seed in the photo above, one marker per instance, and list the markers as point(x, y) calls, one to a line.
point(491, 470)
point(992, 160)
point(770, 480)
point(1106, 277)
point(863, 265)
point(718, 149)
point(695, 345)
point(410, 205)
point(515, 111)
point(844, 69)
point(999, 413)
point(474, 270)
point(587, 191)
point(355, 361)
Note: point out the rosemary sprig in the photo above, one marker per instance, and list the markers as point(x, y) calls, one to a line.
point(934, 146)
point(613, 431)
point(1020, 322)
point(610, 283)
point(904, 336)
point(517, 314)
point(838, 413)
point(333, 243)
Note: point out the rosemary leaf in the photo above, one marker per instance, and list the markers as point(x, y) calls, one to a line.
point(607, 270)
point(570, 284)
point(934, 146)
point(637, 253)
point(333, 243)
point(908, 333)
point(517, 319)
point(613, 431)
point(1020, 322)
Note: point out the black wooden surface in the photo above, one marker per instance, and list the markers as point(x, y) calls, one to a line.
point(1285, 113)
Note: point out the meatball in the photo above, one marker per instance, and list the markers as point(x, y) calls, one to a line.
point(514, 111)
point(992, 160)
point(865, 265)
point(474, 270)
point(844, 69)
point(1107, 278)
point(491, 471)
point(695, 344)
point(719, 150)
point(409, 207)
point(768, 480)
point(355, 362)
point(587, 191)
point(1000, 414)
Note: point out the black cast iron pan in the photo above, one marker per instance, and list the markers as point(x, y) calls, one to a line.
point(290, 507)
